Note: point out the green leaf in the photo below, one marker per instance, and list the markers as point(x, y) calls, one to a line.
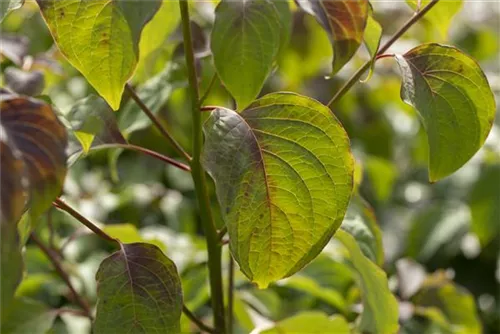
point(11, 259)
point(344, 21)
point(483, 203)
point(456, 306)
point(283, 173)
point(382, 174)
point(139, 290)
point(245, 42)
point(154, 93)
point(286, 18)
point(371, 38)
point(311, 322)
point(24, 316)
point(361, 223)
point(313, 288)
point(154, 37)
point(100, 39)
point(93, 122)
point(454, 101)
point(439, 18)
point(437, 231)
point(8, 5)
point(38, 140)
point(380, 308)
point(128, 233)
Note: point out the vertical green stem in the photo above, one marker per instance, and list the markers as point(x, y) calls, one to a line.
point(230, 292)
point(213, 247)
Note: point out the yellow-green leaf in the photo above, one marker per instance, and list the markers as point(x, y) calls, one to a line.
point(361, 223)
point(245, 42)
point(380, 308)
point(25, 316)
point(311, 322)
point(283, 171)
point(8, 5)
point(93, 122)
point(371, 38)
point(344, 21)
point(455, 103)
point(484, 204)
point(439, 18)
point(100, 38)
point(153, 45)
point(449, 305)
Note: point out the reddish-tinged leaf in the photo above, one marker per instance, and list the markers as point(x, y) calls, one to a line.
point(37, 138)
point(344, 21)
point(139, 291)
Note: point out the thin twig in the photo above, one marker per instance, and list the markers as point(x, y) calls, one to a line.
point(70, 311)
point(209, 88)
point(151, 153)
point(178, 148)
point(208, 108)
point(222, 232)
point(385, 55)
point(61, 272)
point(51, 229)
point(230, 292)
point(60, 204)
point(355, 77)
point(201, 325)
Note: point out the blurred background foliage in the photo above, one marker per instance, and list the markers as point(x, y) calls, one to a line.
point(440, 241)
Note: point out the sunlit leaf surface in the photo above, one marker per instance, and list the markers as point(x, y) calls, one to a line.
point(245, 42)
point(455, 103)
point(100, 38)
point(283, 172)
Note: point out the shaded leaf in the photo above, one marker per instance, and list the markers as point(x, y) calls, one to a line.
point(361, 223)
point(437, 230)
point(484, 204)
point(440, 17)
point(283, 172)
point(11, 260)
point(245, 42)
point(344, 21)
point(100, 39)
point(380, 308)
point(138, 290)
point(26, 83)
point(154, 93)
point(311, 322)
point(36, 137)
point(94, 122)
point(455, 103)
point(286, 17)
point(448, 304)
point(24, 316)
point(8, 5)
